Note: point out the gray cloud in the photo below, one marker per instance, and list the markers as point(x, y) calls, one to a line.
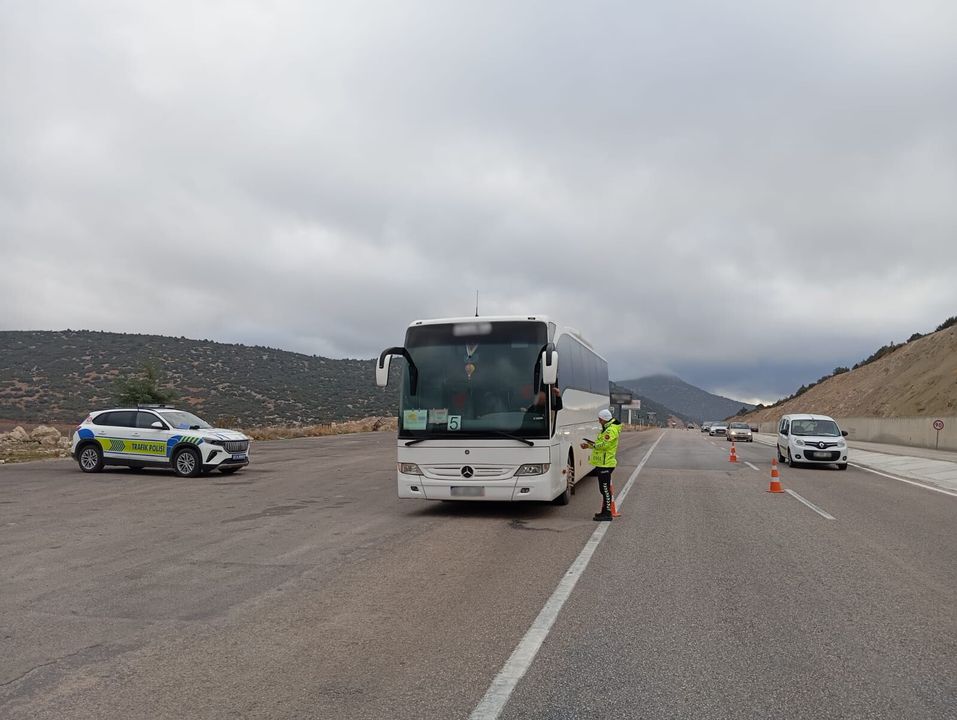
point(698, 189)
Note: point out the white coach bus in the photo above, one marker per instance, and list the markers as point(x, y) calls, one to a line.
point(494, 408)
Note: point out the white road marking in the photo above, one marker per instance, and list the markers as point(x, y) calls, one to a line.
point(499, 692)
point(751, 466)
point(909, 482)
point(811, 505)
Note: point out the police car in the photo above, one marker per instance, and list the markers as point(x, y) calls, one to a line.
point(157, 436)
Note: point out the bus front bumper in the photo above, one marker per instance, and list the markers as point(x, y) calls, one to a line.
point(534, 487)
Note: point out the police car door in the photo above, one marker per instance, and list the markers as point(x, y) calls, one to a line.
point(149, 441)
point(114, 432)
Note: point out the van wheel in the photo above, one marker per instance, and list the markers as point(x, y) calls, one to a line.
point(781, 458)
point(186, 463)
point(90, 459)
point(791, 460)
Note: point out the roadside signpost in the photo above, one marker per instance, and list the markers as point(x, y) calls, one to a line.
point(633, 405)
point(938, 426)
point(619, 399)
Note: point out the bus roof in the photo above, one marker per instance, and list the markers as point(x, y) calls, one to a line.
point(505, 318)
point(482, 318)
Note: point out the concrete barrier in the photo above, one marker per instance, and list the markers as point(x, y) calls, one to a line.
point(909, 431)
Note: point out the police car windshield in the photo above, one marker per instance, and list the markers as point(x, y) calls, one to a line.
point(184, 420)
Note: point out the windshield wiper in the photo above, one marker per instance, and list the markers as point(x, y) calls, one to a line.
point(491, 432)
point(513, 437)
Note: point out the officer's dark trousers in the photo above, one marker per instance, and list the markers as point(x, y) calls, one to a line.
point(604, 485)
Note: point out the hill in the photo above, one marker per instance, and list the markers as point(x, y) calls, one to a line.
point(662, 413)
point(916, 379)
point(686, 400)
point(60, 376)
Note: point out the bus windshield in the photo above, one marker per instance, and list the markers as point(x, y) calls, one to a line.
point(475, 380)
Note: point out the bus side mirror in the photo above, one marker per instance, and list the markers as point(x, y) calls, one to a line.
point(549, 367)
point(382, 370)
point(385, 361)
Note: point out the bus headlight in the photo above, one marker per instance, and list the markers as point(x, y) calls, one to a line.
point(409, 469)
point(533, 469)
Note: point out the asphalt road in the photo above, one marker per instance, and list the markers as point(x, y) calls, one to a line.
point(302, 588)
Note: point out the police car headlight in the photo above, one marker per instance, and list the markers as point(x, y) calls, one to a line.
point(799, 443)
point(533, 469)
point(409, 469)
point(841, 444)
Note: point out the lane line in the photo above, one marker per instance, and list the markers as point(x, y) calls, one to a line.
point(499, 692)
point(751, 466)
point(909, 482)
point(811, 505)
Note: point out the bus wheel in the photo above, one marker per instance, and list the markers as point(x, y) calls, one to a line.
point(566, 496)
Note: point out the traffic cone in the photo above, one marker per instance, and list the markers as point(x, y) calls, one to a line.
point(614, 508)
point(775, 486)
point(733, 457)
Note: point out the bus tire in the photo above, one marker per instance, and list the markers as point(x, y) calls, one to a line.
point(566, 496)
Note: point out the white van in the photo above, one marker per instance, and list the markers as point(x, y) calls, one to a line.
point(811, 440)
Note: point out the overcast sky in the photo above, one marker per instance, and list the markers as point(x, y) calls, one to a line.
point(745, 193)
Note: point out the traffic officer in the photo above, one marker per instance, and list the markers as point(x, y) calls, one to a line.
point(603, 456)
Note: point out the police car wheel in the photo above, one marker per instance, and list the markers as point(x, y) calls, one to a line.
point(90, 459)
point(186, 463)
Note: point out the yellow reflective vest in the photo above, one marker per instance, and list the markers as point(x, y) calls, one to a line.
point(605, 449)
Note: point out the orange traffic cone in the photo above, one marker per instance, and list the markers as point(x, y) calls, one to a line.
point(614, 508)
point(775, 486)
point(734, 454)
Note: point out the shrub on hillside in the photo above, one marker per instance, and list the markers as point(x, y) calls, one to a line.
point(144, 388)
point(878, 354)
point(949, 322)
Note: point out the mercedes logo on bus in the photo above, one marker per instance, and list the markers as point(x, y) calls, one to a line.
point(467, 472)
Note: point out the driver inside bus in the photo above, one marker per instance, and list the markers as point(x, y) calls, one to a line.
point(539, 405)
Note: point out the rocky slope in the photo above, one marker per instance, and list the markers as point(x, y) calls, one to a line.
point(915, 380)
point(58, 377)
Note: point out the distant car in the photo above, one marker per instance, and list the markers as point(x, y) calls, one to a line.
point(718, 429)
point(740, 432)
point(706, 426)
point(157, 437)
point(755, 428)
point(811, 439)
point(691, 426)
